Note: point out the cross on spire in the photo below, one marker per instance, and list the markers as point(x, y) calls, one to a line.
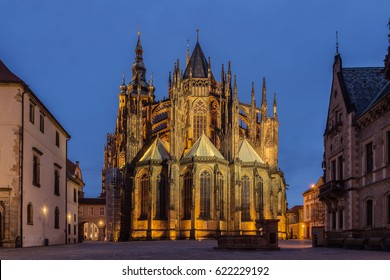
point(197, 35)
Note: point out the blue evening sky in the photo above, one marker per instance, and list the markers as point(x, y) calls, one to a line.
point(73, 53)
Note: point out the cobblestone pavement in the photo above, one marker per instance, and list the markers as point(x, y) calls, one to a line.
point(185, 250)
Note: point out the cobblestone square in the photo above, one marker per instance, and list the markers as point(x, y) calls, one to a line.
point(185, 250)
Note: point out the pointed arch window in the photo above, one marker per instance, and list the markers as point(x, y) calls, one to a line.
point(200, 119)
point(161, 197)
point(205, 189)
point(30, 214)
point(221, 184)
point(144, 196)
point(57, 218)
point(245, 199)
point(259, 197)
point(187, 195)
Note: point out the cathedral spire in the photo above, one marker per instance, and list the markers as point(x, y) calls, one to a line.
point(337, 43)
point(188, 52)
point(253, 101)
point(235, 88)
point(275, 105)
point(264, 100)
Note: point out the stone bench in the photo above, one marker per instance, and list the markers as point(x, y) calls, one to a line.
point(355, 243)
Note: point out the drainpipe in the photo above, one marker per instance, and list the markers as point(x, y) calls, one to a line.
point(21, 161)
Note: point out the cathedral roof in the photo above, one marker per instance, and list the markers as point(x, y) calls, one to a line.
point(198, 64)
point(246, 153)
point(156, 151)
point(203, 148)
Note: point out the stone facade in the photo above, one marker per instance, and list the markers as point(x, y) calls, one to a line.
point(356, 188)
point(196, 165)
point(33, 150)
point(313, 208)
point(295, 223)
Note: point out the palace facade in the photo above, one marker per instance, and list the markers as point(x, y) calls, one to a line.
point(356, 188)
point(195, 165)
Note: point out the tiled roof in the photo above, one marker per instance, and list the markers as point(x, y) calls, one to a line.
point(203, 148)
point(6, 76)
point(295, 209)
point(363, 85)
point(94, 201)
point(197, 63)
point(246, 153)
point(156, 151)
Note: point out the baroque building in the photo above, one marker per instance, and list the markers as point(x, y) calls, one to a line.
point(197, 164)
point(356, 189)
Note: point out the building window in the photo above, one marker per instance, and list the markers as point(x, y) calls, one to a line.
point(144, 196)
point(36, 171)
point(56, 182)
point(74, 230)
point(259, 197)
point(221, 184)
point(388, 209)
point(101, 210)
point(81, 212)
point(333, 172)
point(57, 139)
point(69, 228)
point(333, 219)
point(32, 113)
point(388, 146)
point(341, 219)
point(90, 211)
point(74, 217)
point(245, 199)
point(341, 169)
point(205, 189)
point(74, 195)
point(369, 158)
point(161, 194)
point(200, 119)
point(30, 214)
point(369, 213)
point(57, 218)
point(187, 196)
point(42, 123)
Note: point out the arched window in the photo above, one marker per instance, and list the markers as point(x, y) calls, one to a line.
point(245, 199)
point(187, 195)
point(30, 214)
point(259, 197)
point(221, 184)
point(144, 196)
point(57, 218)
point(56, 182)
point(161, 197)
point(205, 188)
point(369, 213)
point(200, 119)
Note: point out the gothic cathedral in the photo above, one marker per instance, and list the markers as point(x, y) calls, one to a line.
point(196, 165)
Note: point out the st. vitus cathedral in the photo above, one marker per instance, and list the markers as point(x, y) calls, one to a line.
point(195, 165)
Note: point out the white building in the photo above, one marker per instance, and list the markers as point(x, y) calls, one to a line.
point(33, 152)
